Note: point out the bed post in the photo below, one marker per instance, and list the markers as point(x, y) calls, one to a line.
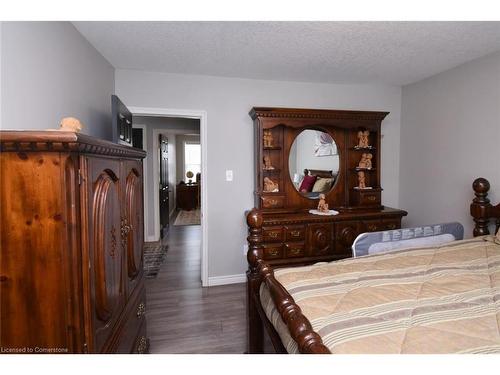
point(481, 209)
point(255, 328)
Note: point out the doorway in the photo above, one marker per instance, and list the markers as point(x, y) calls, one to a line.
point(153, 191)
point(164, 186)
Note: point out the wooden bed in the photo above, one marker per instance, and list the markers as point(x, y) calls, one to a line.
point(260, 274)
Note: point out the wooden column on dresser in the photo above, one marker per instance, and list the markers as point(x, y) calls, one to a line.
point(282, 231)
point(71, 256)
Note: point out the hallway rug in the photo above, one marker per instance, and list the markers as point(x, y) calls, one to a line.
point(154, 256)
point(188, 217)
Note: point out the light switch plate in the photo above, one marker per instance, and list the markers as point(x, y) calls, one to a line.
point(229, 175)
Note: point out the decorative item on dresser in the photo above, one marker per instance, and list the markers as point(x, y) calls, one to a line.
point(71, 252)
point(282, 232)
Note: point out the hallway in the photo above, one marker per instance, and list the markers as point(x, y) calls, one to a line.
point(183, 317)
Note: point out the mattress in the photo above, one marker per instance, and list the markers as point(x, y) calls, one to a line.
point(442, 299)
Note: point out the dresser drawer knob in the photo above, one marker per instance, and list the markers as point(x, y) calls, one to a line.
point(295, 250)
point(141, 309)
point(143, 345)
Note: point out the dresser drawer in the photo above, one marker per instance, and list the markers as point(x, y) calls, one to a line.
point(294, 249)
point(295, 233)
point(273, 201)
point(273, 251)
point(272, 234)
point(370, 198)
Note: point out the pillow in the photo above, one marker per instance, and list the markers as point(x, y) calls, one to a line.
point(322, 185)
point(307, 184)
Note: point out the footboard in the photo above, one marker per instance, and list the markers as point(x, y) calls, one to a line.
point(300, 328)
point(482, 210)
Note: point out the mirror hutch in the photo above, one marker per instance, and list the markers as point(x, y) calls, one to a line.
point(300, 154)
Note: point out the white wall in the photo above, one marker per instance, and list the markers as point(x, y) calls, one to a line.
point(450, 135)
point(50, 71)
point(227, 102)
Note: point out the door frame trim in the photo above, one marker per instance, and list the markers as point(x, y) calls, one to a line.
point(200, 115)
point(145, 178)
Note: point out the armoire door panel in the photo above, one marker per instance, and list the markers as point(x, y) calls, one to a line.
point(134, 239)
point(107, 256)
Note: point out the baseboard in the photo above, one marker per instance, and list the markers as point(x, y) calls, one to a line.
point(151, 239)
point(225, 280)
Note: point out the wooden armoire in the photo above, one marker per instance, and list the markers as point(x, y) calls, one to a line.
point(71, 278)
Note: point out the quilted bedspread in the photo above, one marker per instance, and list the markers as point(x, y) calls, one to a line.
point(430, 300)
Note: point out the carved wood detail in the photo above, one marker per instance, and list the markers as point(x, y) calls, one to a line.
point(104, 208)
point(59, 141)
point(134, 238)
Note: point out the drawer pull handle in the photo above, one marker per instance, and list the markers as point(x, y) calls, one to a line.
point(295, 233)
point(372, 227)
point(143, 345)
point(391, 226)
point(295, 250)
point(141, 309)
point(273, 234)
point(372, 198)
point(273, 252)
point(273, 202)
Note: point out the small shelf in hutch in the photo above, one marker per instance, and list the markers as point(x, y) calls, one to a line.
point(271, 148)
point(364, 149)
point(358, 169)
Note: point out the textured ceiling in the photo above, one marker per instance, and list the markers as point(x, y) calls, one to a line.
point(344, 52)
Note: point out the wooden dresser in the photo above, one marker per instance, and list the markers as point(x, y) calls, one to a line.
point(71, 278)
point(187, 196)
point(285, 232)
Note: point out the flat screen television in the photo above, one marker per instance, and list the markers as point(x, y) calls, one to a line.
point(121, 122)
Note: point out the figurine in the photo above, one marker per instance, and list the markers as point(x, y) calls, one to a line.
point(268, 138)
point(363, 139)
point(270, 186)
point(322, 205)
point(267, 163)
point(366, 161)
point(70, 124)
point(361, 180)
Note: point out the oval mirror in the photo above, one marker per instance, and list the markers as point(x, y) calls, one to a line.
point(313, 163)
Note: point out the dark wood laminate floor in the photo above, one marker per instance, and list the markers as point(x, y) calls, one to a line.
point(182, 316)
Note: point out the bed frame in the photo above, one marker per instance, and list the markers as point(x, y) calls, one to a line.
point(482, 210)
point(299, 327)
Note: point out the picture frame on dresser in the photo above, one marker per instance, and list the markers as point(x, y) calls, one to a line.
point(282, 232)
